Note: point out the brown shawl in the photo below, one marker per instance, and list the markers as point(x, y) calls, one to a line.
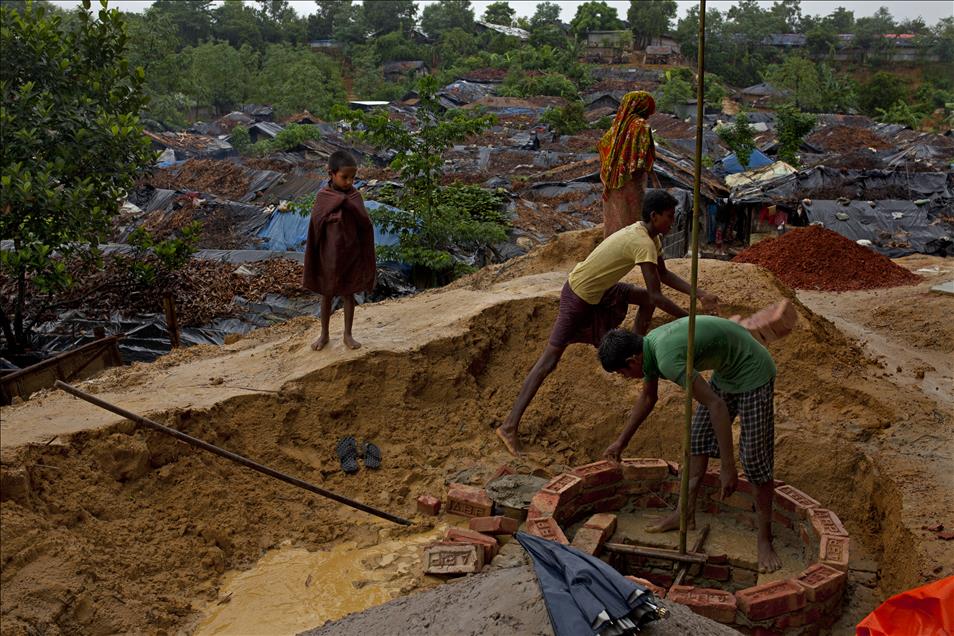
point(339, 253)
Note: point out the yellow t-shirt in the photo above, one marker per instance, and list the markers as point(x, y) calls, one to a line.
point(612, 259)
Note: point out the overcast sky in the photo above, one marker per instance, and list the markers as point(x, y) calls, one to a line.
point(930, 10)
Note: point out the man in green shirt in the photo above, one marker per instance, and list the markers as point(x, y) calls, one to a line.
point(742, 384)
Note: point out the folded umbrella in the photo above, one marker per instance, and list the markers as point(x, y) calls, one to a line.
point(584, 595)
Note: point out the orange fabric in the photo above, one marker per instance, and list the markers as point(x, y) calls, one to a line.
point(924, 611)
point(627, 146)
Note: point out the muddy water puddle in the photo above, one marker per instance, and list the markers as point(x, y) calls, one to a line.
point(291, 589)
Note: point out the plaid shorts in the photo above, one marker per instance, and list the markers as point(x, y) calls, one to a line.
point(757, 439)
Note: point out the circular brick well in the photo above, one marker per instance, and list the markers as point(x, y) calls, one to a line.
point(724, 589)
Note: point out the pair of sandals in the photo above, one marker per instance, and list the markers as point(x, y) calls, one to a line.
point(347, 451)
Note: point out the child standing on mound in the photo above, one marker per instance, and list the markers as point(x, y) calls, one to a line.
point(339, 252)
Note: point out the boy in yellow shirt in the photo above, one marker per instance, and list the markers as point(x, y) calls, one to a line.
point(593, 301)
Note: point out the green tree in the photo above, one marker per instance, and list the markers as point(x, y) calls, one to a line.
point(821, 39)
point(900, 113)
point(942, 40)
point(793, 125)
point(739, 137)
point(348, 25)
point(882, 91)
point(786, 16)
point(193, 19)
point(448, 14)
point(649, 20)
point(237, 23)
point(842, 20)
point(455, 44)
point(396, 46)
point(429, 226)
point(218, 77)
point(547, 13)
point(568, 120)
point(499, 13)
point(386, 16)
point(293, 79)
point(72, 145)
point(594, 16)
point(675, 90)
point(798, 77)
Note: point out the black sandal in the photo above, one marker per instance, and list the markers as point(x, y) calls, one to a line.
point(372, 456)
point(347, 451)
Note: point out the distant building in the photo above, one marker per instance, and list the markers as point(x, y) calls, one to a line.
point(505, 30)
point(409, 68)
point(608, 47)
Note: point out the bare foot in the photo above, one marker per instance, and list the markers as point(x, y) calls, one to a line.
point(768, 560)
point(671, 523)
point(319, 344)
point(509, 440)
point(350, 342)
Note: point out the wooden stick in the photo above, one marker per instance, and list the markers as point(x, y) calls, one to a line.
point(696, 547)
point(657, 553)
point(221, 452)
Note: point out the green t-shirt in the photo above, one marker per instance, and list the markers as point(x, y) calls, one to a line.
point(740, 363)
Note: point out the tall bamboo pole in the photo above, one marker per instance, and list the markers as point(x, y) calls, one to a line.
point(693, 282)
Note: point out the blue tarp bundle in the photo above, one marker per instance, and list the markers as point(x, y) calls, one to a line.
point(584, 595)
point(287, 231)
point(731, 163)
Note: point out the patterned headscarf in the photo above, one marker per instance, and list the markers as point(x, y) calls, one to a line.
point(628, 145)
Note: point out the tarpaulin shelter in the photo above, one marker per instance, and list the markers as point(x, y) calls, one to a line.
point(584, 595)
point(289, 230)
point(731, 164)
point(894, 228)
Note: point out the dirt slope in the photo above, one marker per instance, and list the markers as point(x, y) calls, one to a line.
point(108, 529)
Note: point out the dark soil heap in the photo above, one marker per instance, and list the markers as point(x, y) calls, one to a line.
point(817, 258)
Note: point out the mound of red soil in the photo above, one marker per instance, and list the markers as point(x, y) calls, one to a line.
point(817, 258)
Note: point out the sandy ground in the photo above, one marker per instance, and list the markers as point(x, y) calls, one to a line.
point(105, 528)
point(499, 603)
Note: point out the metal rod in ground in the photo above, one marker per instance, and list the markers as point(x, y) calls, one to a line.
point(657, 553)
point(693, 282)
point(696, 547)
point(221, 452)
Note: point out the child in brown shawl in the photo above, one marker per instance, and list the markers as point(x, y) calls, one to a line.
point(339, 253)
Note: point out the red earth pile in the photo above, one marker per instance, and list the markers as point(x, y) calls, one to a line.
point(820, 259)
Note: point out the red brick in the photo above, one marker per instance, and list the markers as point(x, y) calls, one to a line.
point(601, 473)
point(544, 504)
point(671, 487)
point(716, 572)
point(821, 582)
point(611, 504)
point(711, 478)
point(494, 525)
point(833, 551)
point(589, 540)
point(771, 599)
point(503, 470)
point(641, 468)
point(718, 605)
point(445, 557)
point(566, 485)
point(462, 535)
point(791, 620)
point(658, 592)
point(825, 521)
point(591, 495)
point(546, 528)
point(604, 522)
point(428, 505)
point(745, 486)
point(673, 468)
point(782, 518)
point(468, 501)
point(794, 500)
point(805, 537)
point(711, 507)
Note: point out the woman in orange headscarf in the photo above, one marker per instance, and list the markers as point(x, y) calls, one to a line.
point(627, 153)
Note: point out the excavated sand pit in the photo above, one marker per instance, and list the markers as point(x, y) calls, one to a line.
point(105, 528)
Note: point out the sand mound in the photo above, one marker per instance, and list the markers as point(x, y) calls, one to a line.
point(818, 258)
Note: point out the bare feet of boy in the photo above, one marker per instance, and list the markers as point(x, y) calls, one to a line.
point(509, 439)
point(671, 523)
point(319, 344)
point(768, 560)
point(350, 342)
